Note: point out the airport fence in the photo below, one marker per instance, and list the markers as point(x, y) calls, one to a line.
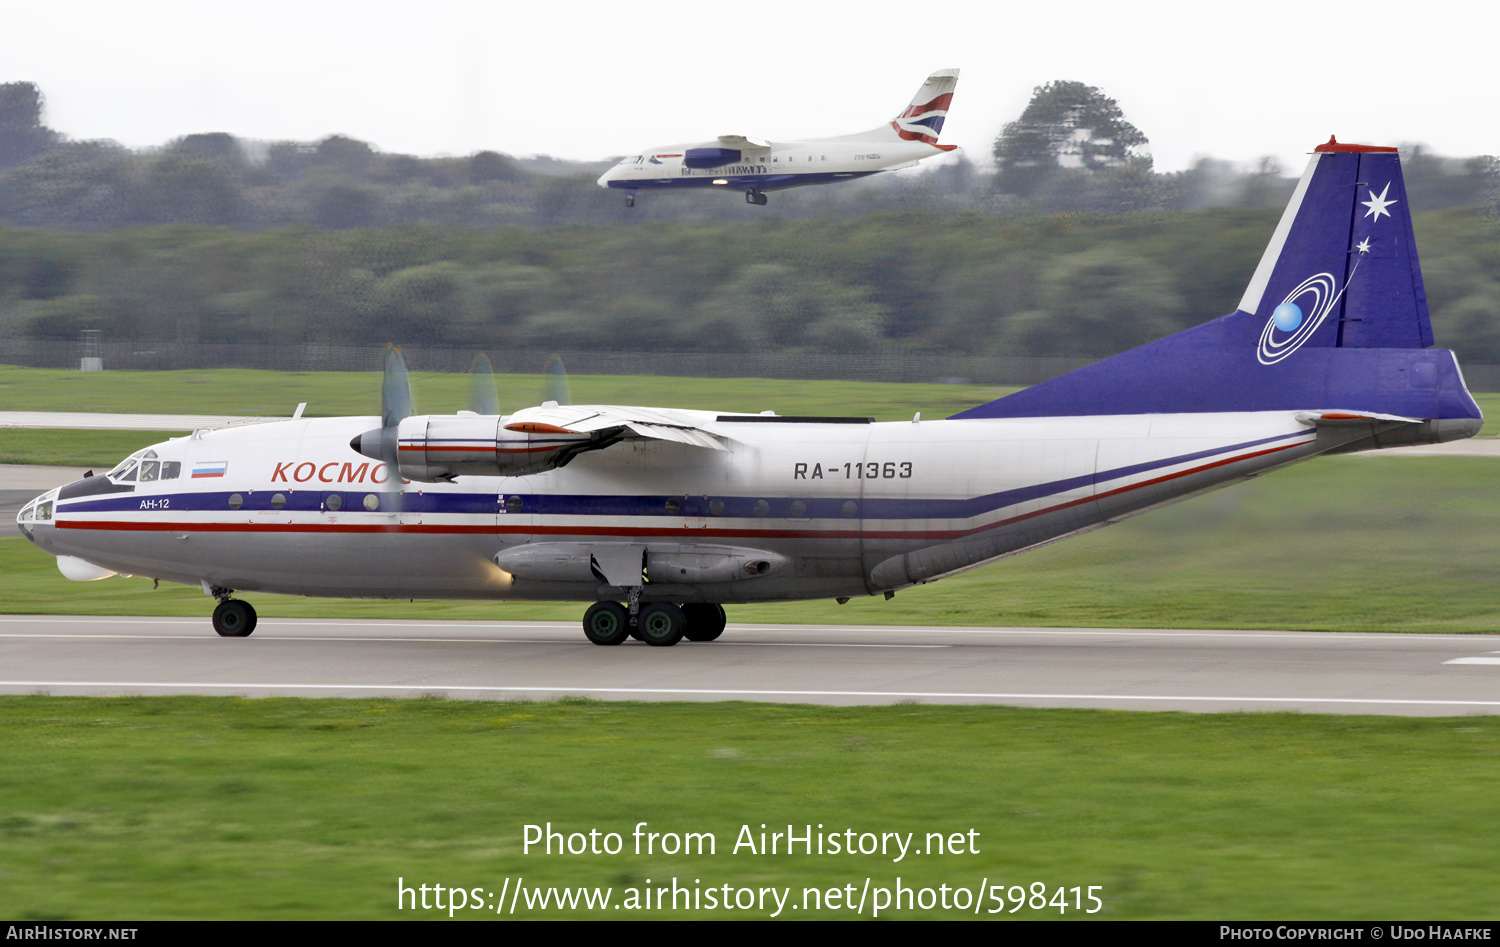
point(953, 369)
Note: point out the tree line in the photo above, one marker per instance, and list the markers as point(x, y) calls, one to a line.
point(1065, 284)
point(1073, 245)
point(1072, 150)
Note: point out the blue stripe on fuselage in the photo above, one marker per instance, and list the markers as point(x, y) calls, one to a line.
point(743, 182)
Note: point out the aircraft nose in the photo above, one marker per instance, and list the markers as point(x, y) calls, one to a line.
point(38, 511)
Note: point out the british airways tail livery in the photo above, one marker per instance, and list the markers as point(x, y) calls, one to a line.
point(658, 517)
point(755, 166)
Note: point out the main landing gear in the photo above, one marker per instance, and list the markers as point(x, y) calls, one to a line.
point(661, 624)
point(754, 196)
point(234, 618)
point(629, 198)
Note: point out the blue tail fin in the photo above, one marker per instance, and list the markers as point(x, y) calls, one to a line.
point(1335, 317)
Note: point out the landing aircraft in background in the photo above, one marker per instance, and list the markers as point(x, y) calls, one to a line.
point(659, 516)
point(755, 166)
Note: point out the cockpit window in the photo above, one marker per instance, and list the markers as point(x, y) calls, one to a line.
point(171, 469)
point(150, 469)
point(128, 475)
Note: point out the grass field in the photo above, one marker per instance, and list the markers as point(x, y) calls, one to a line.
point(146, 808)
point(141, 808)
point(1361, 543)
point(330, 394)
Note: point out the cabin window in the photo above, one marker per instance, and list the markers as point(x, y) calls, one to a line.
point(798, 509)
point(333, 503)
point(513, 504)
point(278, 501)
point(850, 508)
point(372, 502)
point(674, 506)
point(236, 501)
point(716, 506)
point(761, 508)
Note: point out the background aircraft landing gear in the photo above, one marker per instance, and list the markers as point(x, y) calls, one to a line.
point(234, 618)
point(606, 623)
point(705, 621)
point(753, 196)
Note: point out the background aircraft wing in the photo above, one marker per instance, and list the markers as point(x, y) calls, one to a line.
point(743, 144)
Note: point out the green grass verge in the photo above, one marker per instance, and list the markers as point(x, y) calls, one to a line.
point(197, 807)
point(331, 394)
point(1361, 543)
point(69, 448)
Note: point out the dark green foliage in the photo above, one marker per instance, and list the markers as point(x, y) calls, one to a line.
point(22, 134)
point(1067, 125)
point(967, 284)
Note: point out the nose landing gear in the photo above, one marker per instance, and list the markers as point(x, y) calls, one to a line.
point(754, 196)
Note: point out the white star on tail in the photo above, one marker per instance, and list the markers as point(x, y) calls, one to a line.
point(1363, 246)
point(1379, 204)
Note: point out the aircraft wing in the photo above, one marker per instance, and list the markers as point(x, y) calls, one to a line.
point(630, 423)
point(743, 144)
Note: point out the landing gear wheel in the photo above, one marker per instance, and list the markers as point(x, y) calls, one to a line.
point(705, 621)
point(661, 624)
point(629, 200)
point(606, 623)
point(753, 196)
point(234, 618)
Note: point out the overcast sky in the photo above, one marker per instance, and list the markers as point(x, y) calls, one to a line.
point(586, 80)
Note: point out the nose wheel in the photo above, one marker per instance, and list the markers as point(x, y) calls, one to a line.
point(234, 618)
point(754, 196)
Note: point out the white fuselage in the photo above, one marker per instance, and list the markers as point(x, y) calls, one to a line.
point(841, 509)
point(779, 165)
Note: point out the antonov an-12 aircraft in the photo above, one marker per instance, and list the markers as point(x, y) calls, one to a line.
point(658, 517)
point(754, 165)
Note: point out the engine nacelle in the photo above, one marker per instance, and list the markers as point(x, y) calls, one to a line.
point(438, 447)
point(627, 564)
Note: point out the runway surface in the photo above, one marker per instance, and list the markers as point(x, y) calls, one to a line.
point(1126, 669)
